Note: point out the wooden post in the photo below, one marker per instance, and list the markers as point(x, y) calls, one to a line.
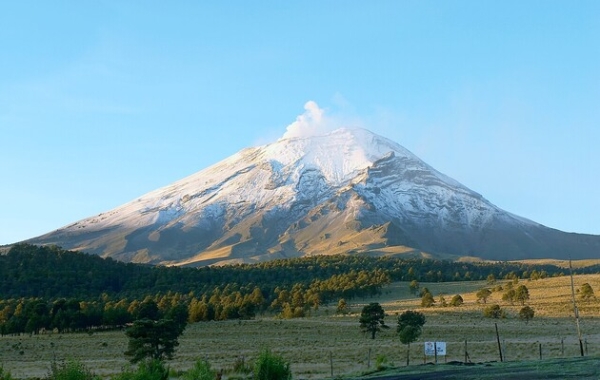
point(540, 351)
point(466, 353)
point(499, 346)
point(562, 346)
point(575, 309)
point(369, 359)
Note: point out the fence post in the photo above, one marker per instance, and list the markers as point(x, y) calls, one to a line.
point(562, 346)
point(540, 351)
point(466, 352)
point(498, 339)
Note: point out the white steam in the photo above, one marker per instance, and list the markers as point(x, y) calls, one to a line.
point(313, 122)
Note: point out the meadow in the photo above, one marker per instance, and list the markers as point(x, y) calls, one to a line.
point(325, 342)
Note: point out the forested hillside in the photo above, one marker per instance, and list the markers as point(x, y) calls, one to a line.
point(51, 288)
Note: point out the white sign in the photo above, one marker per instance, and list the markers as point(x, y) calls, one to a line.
point(441, 348)
point(432, 347)
point(429, 348)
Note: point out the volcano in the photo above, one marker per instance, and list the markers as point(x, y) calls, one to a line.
point(346, 192)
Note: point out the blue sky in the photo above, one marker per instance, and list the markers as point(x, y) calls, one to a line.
point(103, 101)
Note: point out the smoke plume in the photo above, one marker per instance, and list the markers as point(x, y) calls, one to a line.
point(312, 122)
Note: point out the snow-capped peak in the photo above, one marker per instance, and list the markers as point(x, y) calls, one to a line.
point(338, 155)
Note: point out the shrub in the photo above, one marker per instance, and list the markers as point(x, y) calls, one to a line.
point(200, 371)
point(510, 296)
point(457, 300)
point(427, 300)
point(147, 370)
point(414, 287)
point(586, 292)
point(526, 313)
point(522, 294)
point(71, 370)
point(269, 366)
point(442, 301)
point(483, 295)
point(494, 311)
point(4, 375)
point(342, 307)
point(381, 362)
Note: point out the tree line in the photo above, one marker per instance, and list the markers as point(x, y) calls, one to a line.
point(48, 287)
point(34, 314)
point(52, 272)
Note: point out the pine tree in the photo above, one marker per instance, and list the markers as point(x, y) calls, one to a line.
point(152, 339)
point(410, 326)
point(371, 319)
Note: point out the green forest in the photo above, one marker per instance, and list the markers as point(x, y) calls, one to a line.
point(49, 288)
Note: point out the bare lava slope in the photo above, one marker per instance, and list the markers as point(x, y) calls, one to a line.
point(348, 191)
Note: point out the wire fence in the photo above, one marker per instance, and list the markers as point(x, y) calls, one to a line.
point(476, 351)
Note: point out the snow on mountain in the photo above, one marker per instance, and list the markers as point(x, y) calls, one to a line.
point(345, 191)
point(265, 176)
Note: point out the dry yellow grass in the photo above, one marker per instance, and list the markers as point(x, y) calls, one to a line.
point(310, 343)
point(562, 263)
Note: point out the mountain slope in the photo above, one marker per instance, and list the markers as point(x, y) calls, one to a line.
point(347, 191)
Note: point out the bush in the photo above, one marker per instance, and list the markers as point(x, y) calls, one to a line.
point(443, 302)
point(526, 313)
point(269, 366)
point(147, 370)
point(71, 370)
point(494, 311)
point(200, 371)
point(586, 292)
point(342, 307)
point(4, 375)
point(483, 295)
point(427, 300)
point(456, 301)
point(510, 296)
point(381, 362)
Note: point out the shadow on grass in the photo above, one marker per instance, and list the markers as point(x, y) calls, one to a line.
point(568, 368)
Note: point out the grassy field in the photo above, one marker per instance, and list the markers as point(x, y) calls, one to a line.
point(313, 344)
